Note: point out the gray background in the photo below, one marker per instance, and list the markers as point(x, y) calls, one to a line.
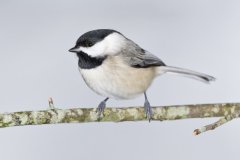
point(201, 35)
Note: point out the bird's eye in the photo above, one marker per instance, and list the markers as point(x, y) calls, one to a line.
point(89, 44)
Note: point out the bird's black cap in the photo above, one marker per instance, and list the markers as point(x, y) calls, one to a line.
point(90, 38)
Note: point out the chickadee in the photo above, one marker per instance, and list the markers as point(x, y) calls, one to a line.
point(115, 67)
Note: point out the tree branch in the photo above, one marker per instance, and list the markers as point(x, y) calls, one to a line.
point(81, 115)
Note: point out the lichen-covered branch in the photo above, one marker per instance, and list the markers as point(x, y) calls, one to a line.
point(82, 115)
point(214, 125)
point(221, 121)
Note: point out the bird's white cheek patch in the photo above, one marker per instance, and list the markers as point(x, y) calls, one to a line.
point(114, 43)
point(110, 45)
point(94, 51)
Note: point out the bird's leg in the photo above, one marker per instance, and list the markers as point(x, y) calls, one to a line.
point(147, 108)
point(101, 106)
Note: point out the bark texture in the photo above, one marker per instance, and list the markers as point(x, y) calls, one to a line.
point(82, 115)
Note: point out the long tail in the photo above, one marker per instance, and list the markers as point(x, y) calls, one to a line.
point(186, 73)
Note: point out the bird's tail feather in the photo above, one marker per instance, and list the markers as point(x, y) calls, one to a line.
point(186, 73)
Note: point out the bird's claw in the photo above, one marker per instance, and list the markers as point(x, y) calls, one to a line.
point(148, 110)
point(100, 108)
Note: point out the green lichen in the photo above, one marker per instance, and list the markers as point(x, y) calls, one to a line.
point(177, 112)
point(230, 111)
point(215, 109)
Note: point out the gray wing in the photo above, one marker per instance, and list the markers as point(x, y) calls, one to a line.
point(137, 57)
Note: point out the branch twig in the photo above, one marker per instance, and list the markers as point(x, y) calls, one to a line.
point(81, 115)
point(50, 103)
point(228, 117)
point(212, 126)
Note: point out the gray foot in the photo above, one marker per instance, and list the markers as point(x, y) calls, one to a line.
point(147, 108)
point(101, 107)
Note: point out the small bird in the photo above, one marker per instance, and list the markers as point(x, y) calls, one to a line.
point(115, 67)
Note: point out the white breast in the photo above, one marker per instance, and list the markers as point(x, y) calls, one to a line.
point(115, 79)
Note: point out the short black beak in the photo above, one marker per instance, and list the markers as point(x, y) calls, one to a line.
point(74, 49)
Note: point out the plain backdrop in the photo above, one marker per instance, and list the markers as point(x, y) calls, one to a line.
point(35, 36)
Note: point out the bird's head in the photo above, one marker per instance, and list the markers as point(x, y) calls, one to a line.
point(101, 42)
